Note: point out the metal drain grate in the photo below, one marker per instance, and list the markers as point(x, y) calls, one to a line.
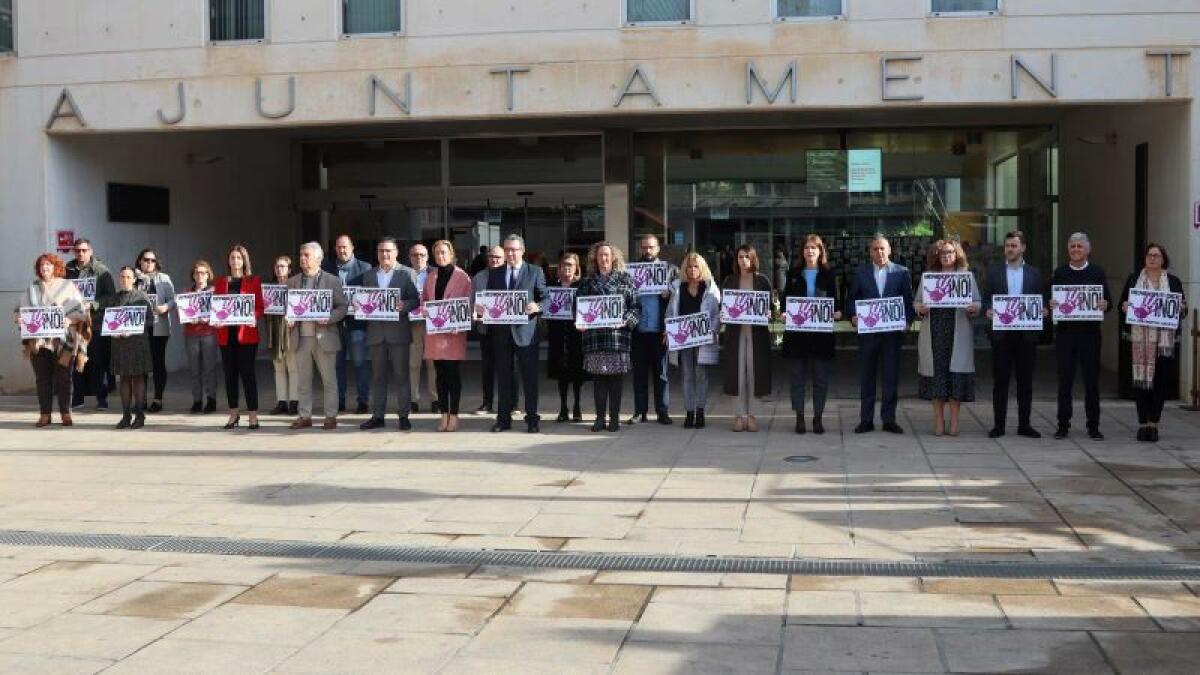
point(623, 562)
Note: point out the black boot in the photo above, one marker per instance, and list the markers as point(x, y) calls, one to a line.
point(280, 408)
point(563, 415)
point(125, 420)
point(210, 405)
point(197, 406)
point(139, 420)
point(599, 424)
point(576, 414)
point(800, 424)
point(699, 418)
point(818, 427)
point(689, 421)
point(293, 408)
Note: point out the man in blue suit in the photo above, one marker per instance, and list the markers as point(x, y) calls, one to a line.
point(1013, 351)
point(879, 353)
point(521, 341)
point(353, 333)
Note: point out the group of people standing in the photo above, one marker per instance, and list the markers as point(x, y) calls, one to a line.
point(387, 356)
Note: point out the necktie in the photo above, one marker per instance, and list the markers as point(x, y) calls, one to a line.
point(512, 278)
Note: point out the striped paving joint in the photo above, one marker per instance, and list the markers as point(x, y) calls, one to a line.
point(616, 562)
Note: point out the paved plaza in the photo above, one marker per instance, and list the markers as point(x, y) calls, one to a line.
point(649, 489)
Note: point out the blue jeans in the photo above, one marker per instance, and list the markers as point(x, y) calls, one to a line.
point(354, 342)
point(649, 364)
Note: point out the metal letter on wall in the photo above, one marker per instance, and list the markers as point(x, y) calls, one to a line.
point(754, 79)
point(182, 108)
point(1017, 64)
point(65, 98)
point(258, 99)
point(887, 77)
point(510, 72)
point(404, 104)
point(627, 90)
point(1169, 66)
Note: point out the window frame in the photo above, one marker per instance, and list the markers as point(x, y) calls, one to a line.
point(999, 11)
point(213, 42)
point(12, 53)
point(343, 5)
point(626, 23)
point(778, 18)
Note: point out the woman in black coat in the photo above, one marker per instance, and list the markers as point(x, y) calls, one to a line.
point(564, 357)
point(746, 350)
point(1154, 351)
point(811, 354)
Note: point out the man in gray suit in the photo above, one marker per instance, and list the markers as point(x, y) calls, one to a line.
point(389, 341)
point(518, 342)
point(316, 341)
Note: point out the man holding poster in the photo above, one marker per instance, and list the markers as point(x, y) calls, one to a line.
point(390, 342)
point(517, 342)
point(1079, 341)
point(316, 342)
point(649, 353)
point(879, 353)
point(351, 331)
point(1013, 351)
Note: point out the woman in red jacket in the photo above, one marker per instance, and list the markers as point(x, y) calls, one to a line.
point(239, 344)
point(447, 350)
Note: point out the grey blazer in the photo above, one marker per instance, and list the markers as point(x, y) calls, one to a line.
point(327, 335)
point(531, 279)
point(165, 290)
point(393, 332)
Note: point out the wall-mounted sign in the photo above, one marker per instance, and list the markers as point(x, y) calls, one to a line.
point(864, 170)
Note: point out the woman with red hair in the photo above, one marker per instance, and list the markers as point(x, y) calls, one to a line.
point(53, 358)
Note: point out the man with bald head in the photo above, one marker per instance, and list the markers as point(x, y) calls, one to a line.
point(352, 333)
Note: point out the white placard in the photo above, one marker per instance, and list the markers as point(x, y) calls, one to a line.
point(751, 308)
point(448, 316)
point(43, 322)
point(506, 308)
point(946, 289)
point(689, 330)
point(1078, 303)
point(1017, 312)
point(559, 304)
point(599, 311)
point(417, 314)
point(194, 307)
point(308, 304)
point(650, 278)
point(86, 287)
point(808, 315)
point(881, 315)
point(232, 310)
point(378, 304)
point(124, 321)
point(1154, 309)
point(274, 299)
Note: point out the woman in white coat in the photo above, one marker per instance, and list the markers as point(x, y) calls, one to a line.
point(695, 293)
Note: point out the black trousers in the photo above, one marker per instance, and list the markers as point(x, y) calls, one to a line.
point(505, 350)
point(449, 384)
point(649, 356)
point(158, 356)
point(487, 363)
point(607, 391)
point(238, 362)
point(53, 381)
point(1078, 346)
point(879, 354)
point(1150, 401)
point(1012, 353)
point(95, 379)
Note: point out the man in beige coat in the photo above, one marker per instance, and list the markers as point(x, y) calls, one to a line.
point(316, 342)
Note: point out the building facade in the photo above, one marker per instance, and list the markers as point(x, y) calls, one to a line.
point(708, 122)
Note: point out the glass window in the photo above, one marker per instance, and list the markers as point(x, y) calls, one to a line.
point(807, 9)
point(235, 20)
point(372, 16)
point(6, 26)
point(658, 11)
point(964, 6)
point(525, 160)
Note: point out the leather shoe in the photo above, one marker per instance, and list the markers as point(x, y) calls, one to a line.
point(1095, 434)
point(405, 424)
point(599, 425)
point(892, 428)
point(636, 418)
point(614, 424)
point(800, 429)
point(1061, 432)
point(361, 409)
point(373, 423)
point(1151, 434)
point(818, 426)
point(532, 427)
point(329, 424)
point(1028, 432)
point(996, 432)
point(301, 423)
point(664, 418)
point(501, 426)
point(864, 427)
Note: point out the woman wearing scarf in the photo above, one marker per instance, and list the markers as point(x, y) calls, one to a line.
point(1155, 351)
point(157, 286)
point(53, 358)
point(606, 351)
point(447, 351)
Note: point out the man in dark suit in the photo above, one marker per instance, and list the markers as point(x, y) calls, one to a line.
point(389, 341)
point(520, 341)
point(879, 353)
point(352, 333)
point(1013, 351)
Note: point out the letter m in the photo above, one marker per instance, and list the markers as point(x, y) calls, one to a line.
point(754, 80)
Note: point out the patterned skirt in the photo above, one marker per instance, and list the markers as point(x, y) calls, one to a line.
point(131, 356)
point(607, 363)
point(945, 384)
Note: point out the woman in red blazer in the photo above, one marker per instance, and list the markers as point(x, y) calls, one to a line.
point(446, 281)
point(239, 344)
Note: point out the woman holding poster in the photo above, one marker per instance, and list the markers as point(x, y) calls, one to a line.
point(131, 359)
point(696, 293)
point(200, 339)
point(746, 349)
point(447, 281)
point(287, 383)
point(564, 357)
point(151, 280)
point(945, 345)
point(811, 353)
point(53, 358)
point(1154, 349)
point(239, 344)
point(606, 351)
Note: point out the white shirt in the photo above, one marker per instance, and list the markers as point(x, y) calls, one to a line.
point(1085, 266)
point(384, 277)
point(1016, 277)
point(881, 278)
